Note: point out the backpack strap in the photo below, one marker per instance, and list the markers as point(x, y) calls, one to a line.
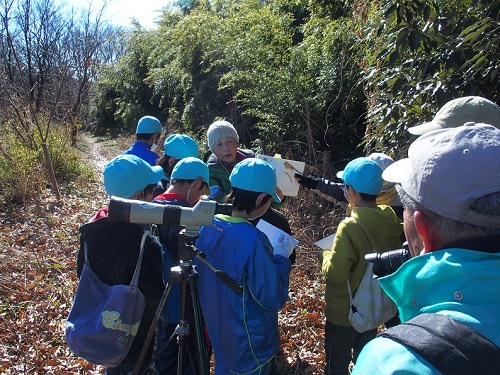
point(450, 346)
point(85, 252)
point(351, 295)
point(137, 272)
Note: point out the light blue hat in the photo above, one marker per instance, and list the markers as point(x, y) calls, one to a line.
point(180, 146)
point(148, 125)
point(127, 174)
point(364, 175)
point(190, 169)
point(255, 175)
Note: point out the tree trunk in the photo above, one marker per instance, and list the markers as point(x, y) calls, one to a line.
point(50, 170)
point(327, 172)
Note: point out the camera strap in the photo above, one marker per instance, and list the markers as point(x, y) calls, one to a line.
point(450, 346)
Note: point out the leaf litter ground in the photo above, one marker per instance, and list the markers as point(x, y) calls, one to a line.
point(38, 248)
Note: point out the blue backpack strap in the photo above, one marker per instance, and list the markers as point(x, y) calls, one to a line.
point(450, 346)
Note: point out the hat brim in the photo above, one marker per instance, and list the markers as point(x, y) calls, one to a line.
point(424, 128)
point(158, 174)
point(276, 198)
point(396, 172)
point(387, 186)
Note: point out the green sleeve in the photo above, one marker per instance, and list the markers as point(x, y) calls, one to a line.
point(337, 262)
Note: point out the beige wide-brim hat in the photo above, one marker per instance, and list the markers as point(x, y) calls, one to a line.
point(457, 112)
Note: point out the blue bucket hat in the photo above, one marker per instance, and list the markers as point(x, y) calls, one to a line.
point(127, 174)
point(255, 175)
point(190, 169)
point(364, 175)
point(148, 125)
point(180, 146)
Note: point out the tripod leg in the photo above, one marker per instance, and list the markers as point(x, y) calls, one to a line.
point(200, 334)
point(199, 362)
point(183, 327)
point(152, 328)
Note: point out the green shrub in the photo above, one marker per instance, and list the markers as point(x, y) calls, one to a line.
point(23, 173)
point(66, 161)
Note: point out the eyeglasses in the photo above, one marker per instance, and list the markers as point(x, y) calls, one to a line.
point(346, 192)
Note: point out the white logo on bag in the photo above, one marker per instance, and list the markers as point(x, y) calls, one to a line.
point(111, 320)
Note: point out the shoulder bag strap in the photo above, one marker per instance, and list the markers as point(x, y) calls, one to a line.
point(450, 346)
point(137, 272)
point(353, 305)
point(348, 283)
point(85, 252)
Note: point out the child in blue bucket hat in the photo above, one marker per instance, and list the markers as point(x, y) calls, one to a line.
point(369, 228)
point(188, 182)
point(175, 148)
point(243, 328)
point(113, 247)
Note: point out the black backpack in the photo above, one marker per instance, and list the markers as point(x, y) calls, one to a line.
point(450, 346)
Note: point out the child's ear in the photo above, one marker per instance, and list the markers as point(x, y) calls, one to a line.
point(260, 198)
point(200, 185)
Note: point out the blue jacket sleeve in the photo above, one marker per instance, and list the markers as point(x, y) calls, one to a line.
point(268, 277)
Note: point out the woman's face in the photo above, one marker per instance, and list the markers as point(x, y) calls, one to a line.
point(225, 149)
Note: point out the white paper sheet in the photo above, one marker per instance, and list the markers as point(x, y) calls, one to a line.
point(285, 171)
point(273, 233)
point(326, 243)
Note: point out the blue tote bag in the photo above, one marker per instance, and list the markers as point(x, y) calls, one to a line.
point(104, 319)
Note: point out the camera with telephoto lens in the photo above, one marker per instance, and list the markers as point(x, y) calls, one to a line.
point(388, 262)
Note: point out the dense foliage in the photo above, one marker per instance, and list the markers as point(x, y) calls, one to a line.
point(424, 54)
point(297, 77)
point(306, 75)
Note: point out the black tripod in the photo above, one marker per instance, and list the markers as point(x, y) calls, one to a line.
point(187, 276)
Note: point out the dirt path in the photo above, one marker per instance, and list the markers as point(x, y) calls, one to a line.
point(97, 151)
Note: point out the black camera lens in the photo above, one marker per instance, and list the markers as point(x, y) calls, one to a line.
point(389, 261)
